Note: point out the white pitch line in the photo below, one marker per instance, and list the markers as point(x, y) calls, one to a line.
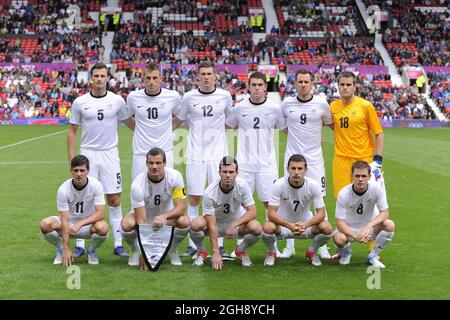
point(32, 139)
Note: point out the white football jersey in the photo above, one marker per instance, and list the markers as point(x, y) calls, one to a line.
point(256, 124)
point(156, 197)
point(227, 207)
point(358, 210)
point(153, 116)
point(205, 114)
point(80, 203)
point(304, 121)
point(99, 117)
point(294, 203)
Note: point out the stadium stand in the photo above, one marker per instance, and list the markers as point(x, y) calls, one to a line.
point(323, 34)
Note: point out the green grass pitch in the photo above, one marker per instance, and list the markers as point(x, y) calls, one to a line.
point(417, 173)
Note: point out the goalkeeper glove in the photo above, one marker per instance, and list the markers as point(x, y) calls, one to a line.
point(375, 166)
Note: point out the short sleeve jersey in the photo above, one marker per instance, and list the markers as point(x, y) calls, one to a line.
point(353, 127)
point(256, 124)
point(205, 113)
point(156, 196)
point(99, 117)
point(153, 116)
point(304, 120)
point(227, 207)
point(358, 210)
point(294, 202)
point(80, 203)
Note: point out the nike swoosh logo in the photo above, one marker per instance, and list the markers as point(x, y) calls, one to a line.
point(195, 104)
point(140, 107)
point(87, 108)
point(285, 198)
point(244, 115)
point(292, 111)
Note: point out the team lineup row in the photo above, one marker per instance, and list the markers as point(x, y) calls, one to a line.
point(152, 113)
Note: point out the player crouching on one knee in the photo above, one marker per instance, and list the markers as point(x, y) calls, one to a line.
point(81, 207)
point(289, 212)
point(357, 218)
point(158, 198)
point(228, 211)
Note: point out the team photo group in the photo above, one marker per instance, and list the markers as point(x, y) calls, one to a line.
point(214, 199)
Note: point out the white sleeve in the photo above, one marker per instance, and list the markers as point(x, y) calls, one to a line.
point(137, 195)
point(246, 196)
point(76, 113)
point(178, 183)
point(283, 123)
point(99, 197)
point(232, 119)
point(327, 120)
point(208, 206)
point(341, 210)
point(317, 197)
point(381, 199)
point(123, 114)
point(281, 120)
point(62, 199)
point(131, 106)
point(184, 109)
point(177, 105)
point(229, 105)
point(275, 195)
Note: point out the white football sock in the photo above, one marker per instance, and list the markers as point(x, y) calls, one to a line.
point(382, 240)
point(290, 244)
point(197, 237)
point(80, 243)
point(115, 217)
point(319, 240)
point(178, 236)
point(54, 238)
point(131, 239)
point(96, 241)
point(269, 241)
point(249, 240)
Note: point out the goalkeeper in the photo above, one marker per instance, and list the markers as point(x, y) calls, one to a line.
point(355, 124)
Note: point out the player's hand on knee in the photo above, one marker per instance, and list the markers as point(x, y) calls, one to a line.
point(229, 233)
point(159, 221)
point(74, 228)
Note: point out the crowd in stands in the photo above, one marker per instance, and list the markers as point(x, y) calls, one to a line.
point(136, 42)
point(42, 17)
point(27, 93)
point(420, 32)
point(51, 49)
point(333, 51)
point(416, 37)
point(317, 16)
point(440, 90)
